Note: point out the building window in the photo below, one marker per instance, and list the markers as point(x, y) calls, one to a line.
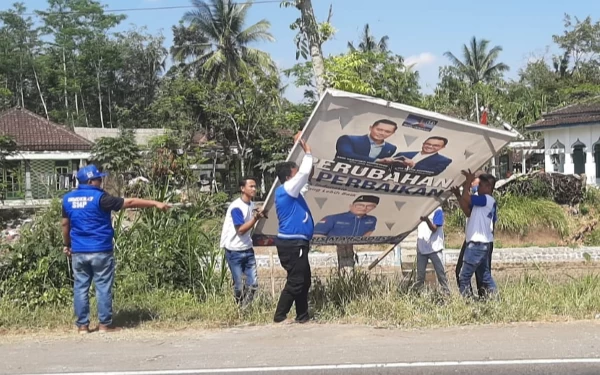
point(579, 160)
point(11, 180)
point(63, 173)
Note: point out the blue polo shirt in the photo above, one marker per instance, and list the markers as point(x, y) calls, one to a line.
point(345, 224)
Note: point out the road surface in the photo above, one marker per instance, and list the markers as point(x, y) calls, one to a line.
point(558, 348)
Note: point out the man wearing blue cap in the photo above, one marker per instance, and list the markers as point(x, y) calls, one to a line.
point(88, 238)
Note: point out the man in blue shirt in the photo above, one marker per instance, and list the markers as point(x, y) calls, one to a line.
point(295, 232)
point(354, 223)
point(88, 239)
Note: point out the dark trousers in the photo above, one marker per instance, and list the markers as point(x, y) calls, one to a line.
point(293, 256)
point(481, 291)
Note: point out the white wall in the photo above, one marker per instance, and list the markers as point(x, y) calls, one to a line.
point(587, 134)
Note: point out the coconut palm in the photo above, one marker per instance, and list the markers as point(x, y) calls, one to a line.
point(368, 43)
point(218, 43)
point(478, 64)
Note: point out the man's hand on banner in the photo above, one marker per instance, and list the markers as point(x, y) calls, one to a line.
point(297, 136)
point(469, 176)
point(260, 213)
point(456, 191)
point(304, 146)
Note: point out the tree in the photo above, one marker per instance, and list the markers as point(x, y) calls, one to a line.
point(368, 42)
point(223, 46)
point(310, 38)
point(117, 155)
point(580, 41)
point(478, 64)
point(242, 111)
point(20, 50)
point(381, 74)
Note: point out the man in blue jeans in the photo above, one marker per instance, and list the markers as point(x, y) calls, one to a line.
point(88, 239)
point(236, 239)
point(482, 212)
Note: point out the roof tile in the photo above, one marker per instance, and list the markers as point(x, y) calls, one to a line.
point(35, 133)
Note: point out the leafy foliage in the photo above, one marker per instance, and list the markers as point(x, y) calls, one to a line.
point(154, 250)
point(221, 49)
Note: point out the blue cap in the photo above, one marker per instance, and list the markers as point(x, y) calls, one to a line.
point(89, 172)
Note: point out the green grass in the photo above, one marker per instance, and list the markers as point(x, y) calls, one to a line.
point(362, 299)
point(519, 215)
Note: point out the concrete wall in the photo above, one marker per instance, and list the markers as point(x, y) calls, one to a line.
point(589, 135)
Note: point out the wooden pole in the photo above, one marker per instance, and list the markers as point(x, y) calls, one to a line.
point(380, 258)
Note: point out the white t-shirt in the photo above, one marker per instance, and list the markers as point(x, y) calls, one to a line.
point(483, 215)
point(427, 241)
point(238, 213)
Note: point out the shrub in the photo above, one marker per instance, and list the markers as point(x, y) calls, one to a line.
point(519, 214)
point(176, 250)
point(37, 272)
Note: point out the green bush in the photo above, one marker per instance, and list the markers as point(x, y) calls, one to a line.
point(37, 272)
point(517, 215)
point(176, 250)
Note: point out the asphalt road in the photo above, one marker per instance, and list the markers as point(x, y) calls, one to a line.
point(560, 348)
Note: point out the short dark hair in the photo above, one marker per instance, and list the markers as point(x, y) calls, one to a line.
point(244, 180)
point(489, 178)
point(284, 170)
point(386, 122)
point(445, 140)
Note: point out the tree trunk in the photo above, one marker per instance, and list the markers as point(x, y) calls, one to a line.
point(37, 83)
point(65, 82)
point(87, 122)
point(76, 105)
point(21, 81)
point(311, 32)
point(99, 92)
point(110, 120)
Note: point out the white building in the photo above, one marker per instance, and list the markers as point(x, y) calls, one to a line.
point(572, 140)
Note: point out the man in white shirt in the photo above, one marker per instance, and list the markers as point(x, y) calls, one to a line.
point(481, 210)
point(236, 240)
point(430, 244)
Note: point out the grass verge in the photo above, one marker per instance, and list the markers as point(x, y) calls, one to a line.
point(356, 299)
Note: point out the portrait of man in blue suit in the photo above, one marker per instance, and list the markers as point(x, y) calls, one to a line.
point(428, 160)
point(370, 147)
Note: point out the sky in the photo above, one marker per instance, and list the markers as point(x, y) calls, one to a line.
point(420, 31)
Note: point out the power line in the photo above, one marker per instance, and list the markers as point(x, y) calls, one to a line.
point(156, 8)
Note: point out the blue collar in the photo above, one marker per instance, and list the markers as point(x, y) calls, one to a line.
point(89, 187)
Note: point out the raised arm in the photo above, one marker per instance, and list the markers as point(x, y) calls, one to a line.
point(294, 185)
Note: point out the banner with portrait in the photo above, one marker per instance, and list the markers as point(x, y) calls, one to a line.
point(379, 166)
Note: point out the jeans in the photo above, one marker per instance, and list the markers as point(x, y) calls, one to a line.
point(99, 267)
point(243, 263)
point(293, 256)
point(438, 265)
point(481, 291)
point(476, 259)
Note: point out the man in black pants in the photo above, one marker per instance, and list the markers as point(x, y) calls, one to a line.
point(296, 228)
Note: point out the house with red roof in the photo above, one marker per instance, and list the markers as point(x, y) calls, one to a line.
point(46, 160)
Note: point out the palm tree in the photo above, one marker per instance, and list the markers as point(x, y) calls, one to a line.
point(217, 42)
point(479, 64)
point(368, 42)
